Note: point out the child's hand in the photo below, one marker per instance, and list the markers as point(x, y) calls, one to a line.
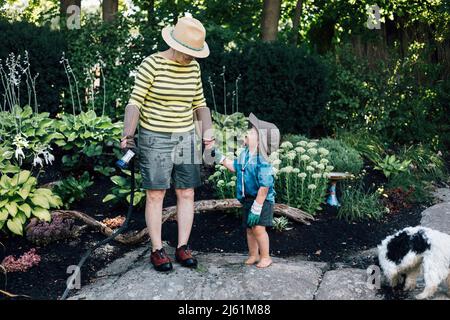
point(255, 213)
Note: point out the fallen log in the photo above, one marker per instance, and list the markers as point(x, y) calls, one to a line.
point(169, 213)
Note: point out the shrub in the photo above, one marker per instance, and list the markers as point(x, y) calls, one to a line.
point(357, 205)
point(44, 48)
point(282, 84)
point(20, 198)
point(421, 189)
point(342, 157)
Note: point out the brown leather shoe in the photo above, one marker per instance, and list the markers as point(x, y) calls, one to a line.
point(183, 255)
point(160, 260)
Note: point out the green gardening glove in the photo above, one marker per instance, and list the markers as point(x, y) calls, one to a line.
point(255, 214)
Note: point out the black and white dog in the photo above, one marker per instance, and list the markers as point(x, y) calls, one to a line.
point(405, 252)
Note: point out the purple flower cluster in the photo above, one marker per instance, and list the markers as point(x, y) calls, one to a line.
point(42, 233)
point(22, 264)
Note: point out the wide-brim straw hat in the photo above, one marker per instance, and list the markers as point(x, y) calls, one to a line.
point(188, 36)
point(268, 134)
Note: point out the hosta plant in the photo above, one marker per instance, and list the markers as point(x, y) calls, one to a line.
point(280, 224)
point(28, 136)
point(122, 189)
point(92, 140)
point(20, 198)
point(71, 189)
point(391, 166)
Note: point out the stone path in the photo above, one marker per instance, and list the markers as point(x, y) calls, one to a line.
point(224, 276)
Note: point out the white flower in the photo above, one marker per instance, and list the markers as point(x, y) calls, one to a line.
point(312, 151)
point(49, 158)
point(286, 145)
point(305, 157)
point(326, 175)
point(312, 186)
point(37, 161)
point(300, 150)
point(275, 171)
point(324, 161)
point(314, 163)
point(19, 153)
point(222, 168)
point(329, 168)
point(302, 143)
point(288, 169)
point(302, 175)
point(309, 168)
point(273, 156)
point(231, 184)
point(316, 175)
point(276, 162)
point(320, 166)
point(291, 155)
point(220, 183)
point(233, 178)
point(311, 145)
point(323, 151)
point(296, 170)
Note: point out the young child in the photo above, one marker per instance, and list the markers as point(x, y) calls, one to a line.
point(255, 186)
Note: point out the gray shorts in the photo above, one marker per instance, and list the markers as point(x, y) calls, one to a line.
point(169, 156)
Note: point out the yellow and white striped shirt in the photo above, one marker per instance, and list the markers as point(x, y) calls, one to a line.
point(167, 93)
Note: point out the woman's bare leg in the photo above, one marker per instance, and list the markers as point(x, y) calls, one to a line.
point(153, 216)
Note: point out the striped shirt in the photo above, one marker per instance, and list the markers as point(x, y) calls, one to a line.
point(167, 93)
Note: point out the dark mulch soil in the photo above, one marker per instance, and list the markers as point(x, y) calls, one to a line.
point(326, 239)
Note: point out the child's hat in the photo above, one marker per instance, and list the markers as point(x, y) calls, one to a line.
point(268, 133)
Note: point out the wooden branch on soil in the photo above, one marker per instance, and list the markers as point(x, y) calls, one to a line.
point(169, 213)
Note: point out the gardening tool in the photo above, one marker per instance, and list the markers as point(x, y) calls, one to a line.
point(127, 160)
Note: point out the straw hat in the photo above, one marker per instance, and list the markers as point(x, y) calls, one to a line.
point(268, 133)
point(188, 36)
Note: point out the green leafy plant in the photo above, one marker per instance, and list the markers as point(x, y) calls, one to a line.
point(301, 178)
point(224, 182)
point(122, 190)
point(280, 223)
point(391, 166)
point(357, 205)
point(229, 130)
point(424, 162)
point(20, 199)
point(71, 189)
point(88, 138)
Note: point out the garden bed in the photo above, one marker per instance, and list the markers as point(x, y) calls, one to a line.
point(326, 239)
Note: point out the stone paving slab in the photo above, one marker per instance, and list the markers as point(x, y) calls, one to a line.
point(346, 284)
point(219, 276)
point(437, 217)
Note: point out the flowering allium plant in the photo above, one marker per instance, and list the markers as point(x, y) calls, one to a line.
point(301, 173)
point(22, 264)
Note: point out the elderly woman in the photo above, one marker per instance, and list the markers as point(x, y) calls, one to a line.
point(166, 98)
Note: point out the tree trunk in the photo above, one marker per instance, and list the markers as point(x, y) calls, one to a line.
point(110, 9)
point(270, 17)
point(151, 11)
point(296, 21)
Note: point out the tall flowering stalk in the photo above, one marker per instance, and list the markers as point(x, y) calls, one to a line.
point(301, 174)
